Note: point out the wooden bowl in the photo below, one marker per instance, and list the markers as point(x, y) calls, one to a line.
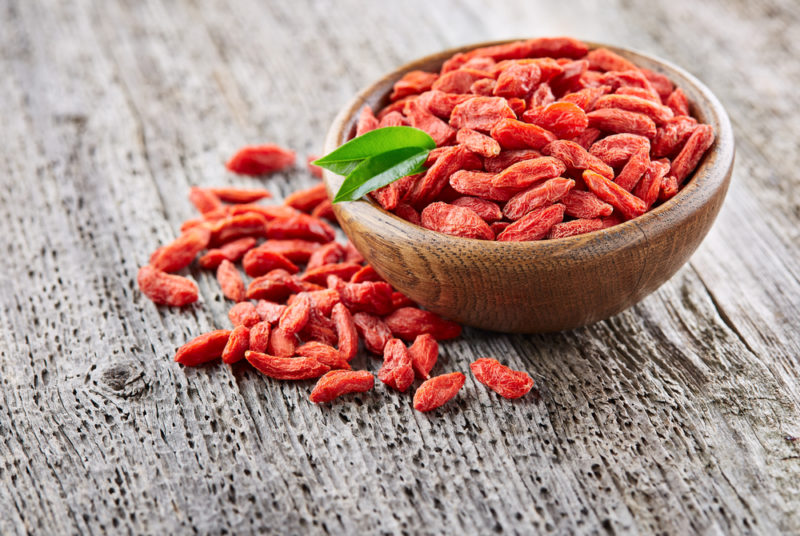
point(542, 286)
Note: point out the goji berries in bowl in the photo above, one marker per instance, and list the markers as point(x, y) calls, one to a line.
point(557, 283)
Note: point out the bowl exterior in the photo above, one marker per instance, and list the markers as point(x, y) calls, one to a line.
point(541, 286)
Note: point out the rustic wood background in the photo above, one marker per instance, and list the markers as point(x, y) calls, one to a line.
point(674, 417)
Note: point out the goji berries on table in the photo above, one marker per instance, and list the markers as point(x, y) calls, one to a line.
point(286, 368)
point(506, 382)
point(397, 371)
point(340, 382)
point(206, 347)
point(260, 159)
point(437, 391)
point(166, 289)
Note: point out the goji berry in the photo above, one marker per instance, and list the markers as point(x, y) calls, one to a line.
point(181, 252)
point(401, 300)
point(230, 281)
point(301, 226)
point(324, 210)
point(617, 149)
point(316, 171)
point(296, 250)
point(325, 354)
point(259, 337)
point(244, 314)
point(341, 382)
point(409, 213)
point(166, 289)
point(271, 286)
point(657, 112)
point(366, 121)
point(412, 83)
point(259, 261)
point(628, 204)
point(542, 97)
point(564, 119)
point(618, 121)
point(424, 352)
point(437, 391)
point(539, 195)
point(509, 158)
point(696, 146)
point(281, 344)
point(455, 220)
point(260, 159)
point(534, 225)
point(671, 136)
point(517, 80)
point(483, 87)
point(409, 322)
point(269, 311)
point(576, 157)
point(393, 119)
point(306, 200)
point(575, 227)
point(204, 348)
point(661, 83)
point(231, 251)
point(419, 117)
point(351, 254)
point(238, 343)
point(458, 81)
point(373, 331)
point(481, 113)
point(396, 371)
point(320, 274)
point(286, 368)
point(240, 195)
point(648, 188)
point(678, 102)
point(523, 174)
point(487, 210)
point(241, 225)
point(346, 331)
point(479, 184)
point(506, 382)
point(441, 104)
point(331, 253)
point(478, 143)
point(204, 200)
point(585, 205)
point(513, 134)
point(634, 169)
point(586, 97)
point(320, 328)
point(602, 59)
point(436, 178)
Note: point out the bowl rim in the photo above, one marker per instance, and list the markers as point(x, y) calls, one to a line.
point(710, 174)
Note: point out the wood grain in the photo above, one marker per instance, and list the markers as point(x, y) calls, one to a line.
point(545, 286)
point(668, 418)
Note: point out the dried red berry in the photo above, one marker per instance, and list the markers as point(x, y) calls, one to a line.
point(437, 391)
point(260, 159)
point(340, 382)
point(230, 281)
point(238, 343)
point(424, 352)
point(506, 382)
point(286, 368)
point(203, 348)
point(396, 371)
point(166, 289)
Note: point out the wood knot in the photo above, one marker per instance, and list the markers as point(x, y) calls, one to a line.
point(124, 379)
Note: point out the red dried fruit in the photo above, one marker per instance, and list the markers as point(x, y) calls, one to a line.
point(419, 117)
point(617, 149)
point(696, 146)
point(203, 348)
point(401, 300)
point(602, 59)
point(271, 286)
point(373, 331)
point(424, 352)
point(669, 187)
point(575, 227)
point(412, 83)
point(232, 251)
point(324, 300)
point(260, 159)
point(586, 138)
point(642, 93)
point(586, 97)
point(648, 188)
point(325, 354)
point(481, 113)
point(238, 343)
point(181, 252)
point(366, 121)
point(628, 204)
point(564, 119)
point(259, 337)
point(437, 391)
point(409, 213)
point(569, 78)
point(528, 172)
point(281, 344)
point(479, 184)
point(230, 281)
point(619, 121)
point(537, 196)
point(619, 79)
point(517, 80)
point(478, 143)
point(270, 311)
point(319, 328)
point(513, 134)
point(259, 261)
point(166, 289)
point(672, 135)
point(240, 195)
point(441, 104)
point(657, 112)
point(330, 253)
point(296, 250)
point(585, 205)
point(204, 200)
point(483, 87)
point(319, 275)
point(286, 368)
point(576, 157)
point(508, 158)
point(458, 81)
point(268, 212)
point(341, 382)
point(366, 274)
point(499, 226)
point(436, 178)
point(346, 331)
point(455, 221)
point(660, 83)
point(678, 102)
point(306, 200)
point(543, 96)
point(296, 315)
point(324, 210)
point(241, 225)
point(301, 226)
point(534, 225)
point(634, 169)
point(409, 322)
point(393, 119)
point(517, 106)
point(244, 314)
point(370, 297)
point(389, 196)
point(396, 371)
point(351, 254)
point(506, 382)
point(487, 210)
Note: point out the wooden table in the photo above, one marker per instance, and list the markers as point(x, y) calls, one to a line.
point(675, 417)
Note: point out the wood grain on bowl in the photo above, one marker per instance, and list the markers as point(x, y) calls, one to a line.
point(545, 285)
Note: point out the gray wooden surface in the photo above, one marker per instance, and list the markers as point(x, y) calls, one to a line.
point(670, 418)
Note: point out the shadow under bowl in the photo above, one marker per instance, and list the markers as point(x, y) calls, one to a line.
point(548, 285)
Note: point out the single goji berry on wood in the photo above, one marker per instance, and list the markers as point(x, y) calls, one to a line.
point(240, 195)
point(166, 289)
point(412, 83)
point(203, 348)
point(575, 227)
point(409, 322)
point(455, 221)
point(576, 157)
point(331, 253)
point(696, 146)
point(259, 337)
point(523, 174)
point(437, 391)
point(259, 261)
point(238, 343)
point(306, 200)
point(249, 224)
point(231, 251)
point(271, 286)
point(325, 354)
point(481, 113)
point(204, 200)
point(181, 252)
point(506, 382)
point(539, 195)
point(230, 281)
point(286, 368)
point(585, 205)
point(296, 315)
point(424, 352)
point(281, 344)
point(534, 225)
point(617, 121)
point(260, 159)
point(628, 204)
point(513, 134)
point(396, 371)
point(320, 328)
point(341, 382)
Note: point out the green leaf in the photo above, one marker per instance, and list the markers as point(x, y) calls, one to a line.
point(381, 169)
point(372, 143)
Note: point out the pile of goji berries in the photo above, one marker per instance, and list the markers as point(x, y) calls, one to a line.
point(304, 301)
point(540, 139)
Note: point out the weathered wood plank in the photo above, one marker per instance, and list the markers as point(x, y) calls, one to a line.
point(668, 418)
